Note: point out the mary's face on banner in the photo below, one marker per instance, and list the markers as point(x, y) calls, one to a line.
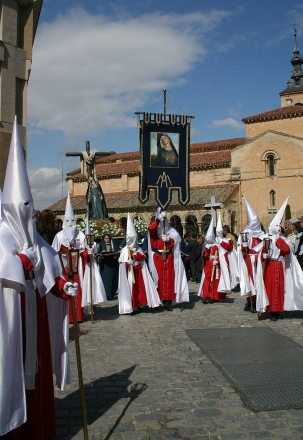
point(164, 150)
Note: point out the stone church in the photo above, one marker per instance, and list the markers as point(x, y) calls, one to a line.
point(266, 166)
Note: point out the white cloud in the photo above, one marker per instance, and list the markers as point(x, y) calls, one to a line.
point(89, 71)
point(228, 122)
point(46, 186)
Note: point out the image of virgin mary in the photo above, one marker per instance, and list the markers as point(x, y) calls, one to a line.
point(167, 155)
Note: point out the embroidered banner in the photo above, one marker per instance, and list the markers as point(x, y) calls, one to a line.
point(164, 157)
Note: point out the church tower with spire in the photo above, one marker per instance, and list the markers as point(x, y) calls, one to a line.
point(293, 94)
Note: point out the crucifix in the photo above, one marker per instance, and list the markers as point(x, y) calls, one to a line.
point(213, 206)
point(89, 164)
point(95, 202)
point(272, 210)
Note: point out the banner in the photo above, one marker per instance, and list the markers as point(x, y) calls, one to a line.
point(164, 157)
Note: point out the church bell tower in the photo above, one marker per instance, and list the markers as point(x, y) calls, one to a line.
point(293, 94)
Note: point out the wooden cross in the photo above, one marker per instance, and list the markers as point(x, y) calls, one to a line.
point(213, 206)
point(272, 210)
point(88, 166)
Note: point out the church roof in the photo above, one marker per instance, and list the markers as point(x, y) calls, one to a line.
point(293, 111)
point(128, 163)
point(128, 200)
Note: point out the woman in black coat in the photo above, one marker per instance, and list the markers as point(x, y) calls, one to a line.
point(109, 266)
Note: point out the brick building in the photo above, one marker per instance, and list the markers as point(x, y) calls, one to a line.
point(266, 165)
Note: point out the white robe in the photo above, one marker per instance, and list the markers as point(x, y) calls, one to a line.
point(98, 290)
point(12, 282)
point(125, 284)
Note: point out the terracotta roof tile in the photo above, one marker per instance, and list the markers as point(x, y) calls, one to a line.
point(217, 145)
point(128, 200)
point(293, 111)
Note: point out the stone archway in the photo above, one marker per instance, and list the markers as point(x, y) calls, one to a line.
point(192, 225)
point(175, 222)
point(206, 219)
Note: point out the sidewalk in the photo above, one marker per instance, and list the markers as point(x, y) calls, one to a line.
point(145, 379)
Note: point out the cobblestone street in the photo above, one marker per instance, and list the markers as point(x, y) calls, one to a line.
point(146, 379)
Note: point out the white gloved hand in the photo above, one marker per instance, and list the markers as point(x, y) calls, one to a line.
point(165, 238)
point(90, 251)
point(161, 217)
point(71, 289)
point(163, 214)
point(245, 244)
point(265, 256)
point(130, 262)
point(30, 253)
point(215, 263)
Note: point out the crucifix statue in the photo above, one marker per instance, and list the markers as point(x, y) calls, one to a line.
point(95, 202)
point(213, 206)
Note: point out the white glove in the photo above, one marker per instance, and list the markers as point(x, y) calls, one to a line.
point(265, 256)
point(245, 244)
point(71, 289)
point(162, 216)
point(215, 263)
point(90, 251)
point(130, 262)
point(30, 253)
point(165, 238)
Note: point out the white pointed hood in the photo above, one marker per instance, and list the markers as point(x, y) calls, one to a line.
point(219, 228)
point(131, 233)
point(274, 227)
point(253, 221)
point(210, 237)
point(17, 201)
point(69, 224)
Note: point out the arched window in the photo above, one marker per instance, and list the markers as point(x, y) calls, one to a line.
point(79, 220)
point(175, 222)
point(271, 161)
point(272, 198)
point(111, 219)
point(123, 222)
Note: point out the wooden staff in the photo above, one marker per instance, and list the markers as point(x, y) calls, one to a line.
point(266, 244)
point(131, 266)
point(77, 342)
point(91, 288)
point(214, 267)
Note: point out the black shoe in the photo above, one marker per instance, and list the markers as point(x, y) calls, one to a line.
point(273, 316)
point(168, 308)
point(211, 301)
point(247, 306)
point(111, 298)
point(204, 300)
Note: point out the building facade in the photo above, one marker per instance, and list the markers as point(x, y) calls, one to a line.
point(18, 24)
point(266, 166)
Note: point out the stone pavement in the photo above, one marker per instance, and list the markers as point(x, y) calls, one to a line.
point(146, 379)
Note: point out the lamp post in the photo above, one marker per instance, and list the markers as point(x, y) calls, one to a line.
point(69, 260)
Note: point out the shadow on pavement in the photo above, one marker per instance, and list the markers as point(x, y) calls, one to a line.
point(100, 396)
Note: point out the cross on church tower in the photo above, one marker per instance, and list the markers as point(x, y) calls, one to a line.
point(213, 206)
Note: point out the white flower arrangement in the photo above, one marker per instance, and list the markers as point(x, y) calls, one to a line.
point(112, 229)
point(92, 225)
point(140, 226)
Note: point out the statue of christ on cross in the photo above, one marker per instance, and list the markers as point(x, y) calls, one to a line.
point(95, 202)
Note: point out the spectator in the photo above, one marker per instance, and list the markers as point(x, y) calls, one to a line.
point(192, 249)
point(227, 234)
point(198, 258)
point(46, 225)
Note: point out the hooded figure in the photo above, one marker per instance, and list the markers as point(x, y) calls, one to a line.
point(98, 290)
point(30, 274)
point(72, 237)
point(165, 263)
point(249, 262)
point(136, 288)
point(283, 277)
point(215, 281)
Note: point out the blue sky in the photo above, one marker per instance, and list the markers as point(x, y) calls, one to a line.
point(95, 65)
